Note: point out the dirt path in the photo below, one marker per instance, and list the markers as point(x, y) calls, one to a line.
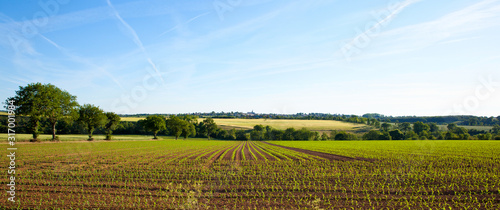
point(327, 156)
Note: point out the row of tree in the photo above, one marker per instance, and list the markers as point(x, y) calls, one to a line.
point(185, 126)
point(46, 102)
point(47, 106)
point(422, 131)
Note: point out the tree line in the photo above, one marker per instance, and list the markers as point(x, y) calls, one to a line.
point(36, 103)
point(44, 108)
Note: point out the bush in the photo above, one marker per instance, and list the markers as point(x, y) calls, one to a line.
point(342, 135)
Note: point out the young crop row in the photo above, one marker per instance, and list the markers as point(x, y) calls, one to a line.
point(249, 175)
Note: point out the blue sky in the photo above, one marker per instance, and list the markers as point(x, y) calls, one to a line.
point(399, 57)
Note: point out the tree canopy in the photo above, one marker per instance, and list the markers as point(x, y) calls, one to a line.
point(38, 101)
point(91, 117)
point(154, 123)
point(112, 120)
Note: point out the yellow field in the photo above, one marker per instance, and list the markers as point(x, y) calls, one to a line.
point(132, 119)
point(315, 125)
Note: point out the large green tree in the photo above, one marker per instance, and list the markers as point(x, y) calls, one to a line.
point(175, 126)
point(154, 123)
point(29, 101)
point(188, 129)
point(386, 126)
point(209, 126)
point(38, 101)
point(496, 129)
point(91, 117)
point(396, 135)
point(419, 127)
point(112, 120)
point(57, 104)
point(405, 127)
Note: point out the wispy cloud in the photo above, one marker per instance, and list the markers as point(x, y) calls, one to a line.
point(482, 15)
point(135, 37)
point(82, 60)
point(184, 23)
point(383, 22)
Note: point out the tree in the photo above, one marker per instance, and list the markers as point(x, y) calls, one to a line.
point(154, 123)
point(241, 135)
point(451, 126)
point(433, 127)
point(209, 126)
point(175, 126)
point(39, 101)
point(372, 135)
point(405, 127)
point(385, 136)
point(57, 103)
point(462, 132)
point(288, 134)
point(112, 120)
point(29, 101)
point(418, 127)
point(386, 126)
point(397, 135)
point(188, 129)
point(411, 135)
point(232, 134)
point(496, 129)
point(257, 133)
point(324, 136)
point(91, 117)
point(190, 118)
point(342, 135)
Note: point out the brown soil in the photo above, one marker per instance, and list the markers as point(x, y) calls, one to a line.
point(327, 156)
point(229, 154)
point(269, 157)
point(259, 157)
point(238, 156)
point(247, 153)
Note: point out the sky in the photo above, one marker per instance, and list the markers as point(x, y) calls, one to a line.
point(397, 57)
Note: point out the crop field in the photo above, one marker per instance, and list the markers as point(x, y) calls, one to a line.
point(315, 125)
point(245, 124)
point(132, 119)
point(191, 174)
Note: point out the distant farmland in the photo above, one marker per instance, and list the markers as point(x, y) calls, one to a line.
point(315, 125)
point(282, 124)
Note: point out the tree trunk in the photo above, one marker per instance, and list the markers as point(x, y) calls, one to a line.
point(54, 130)
point(35, 124)
point(91, 130)
point(155, 136)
